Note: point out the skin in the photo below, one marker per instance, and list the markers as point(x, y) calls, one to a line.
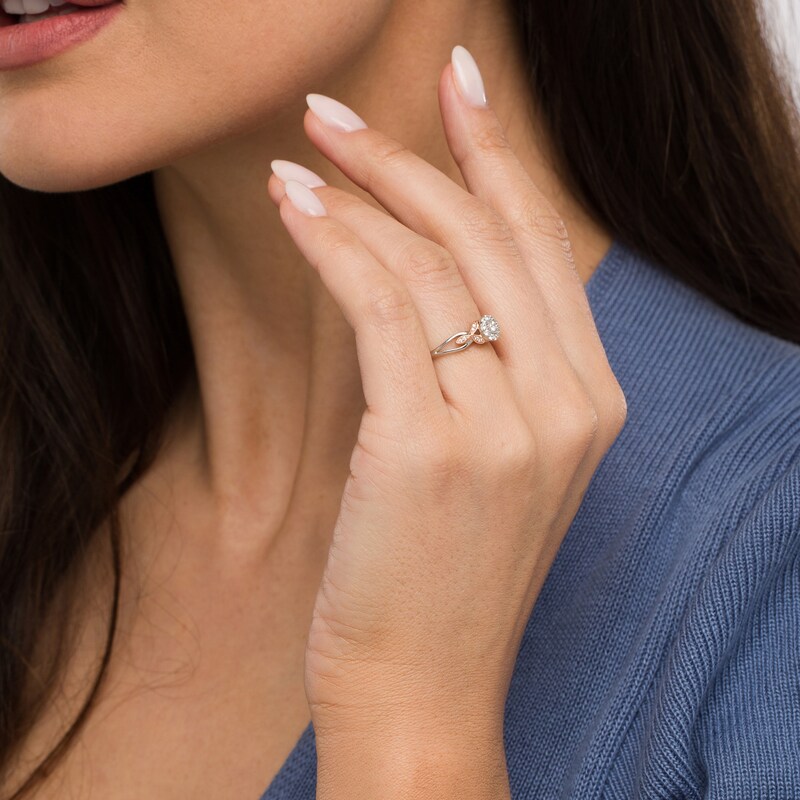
point(229, 535)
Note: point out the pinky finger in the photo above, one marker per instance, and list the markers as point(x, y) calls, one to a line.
point(398, 378)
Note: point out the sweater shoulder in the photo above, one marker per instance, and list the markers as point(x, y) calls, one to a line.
point(743, 627)
point(713, 400)
point(706, 477)
point(652, 321)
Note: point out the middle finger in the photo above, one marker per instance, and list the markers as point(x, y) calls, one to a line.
point(427, 201)
point(431, 276)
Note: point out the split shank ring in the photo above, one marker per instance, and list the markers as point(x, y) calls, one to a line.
point(486, 329)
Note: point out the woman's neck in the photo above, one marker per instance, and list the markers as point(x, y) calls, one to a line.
point(276, 406)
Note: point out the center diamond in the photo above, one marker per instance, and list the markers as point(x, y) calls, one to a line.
point(490, 327)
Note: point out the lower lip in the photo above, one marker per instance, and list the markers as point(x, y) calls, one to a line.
point(26, 43)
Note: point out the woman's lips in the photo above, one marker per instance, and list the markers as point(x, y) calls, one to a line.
point(26, 43)
point(11, 19)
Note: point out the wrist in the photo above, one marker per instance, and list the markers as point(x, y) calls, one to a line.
point(398, 760)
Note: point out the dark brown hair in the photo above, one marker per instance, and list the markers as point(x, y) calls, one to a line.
point(671, 122)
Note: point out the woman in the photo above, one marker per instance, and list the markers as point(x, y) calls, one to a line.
point(260, 539)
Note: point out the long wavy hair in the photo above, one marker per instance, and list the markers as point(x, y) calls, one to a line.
point(672, 123)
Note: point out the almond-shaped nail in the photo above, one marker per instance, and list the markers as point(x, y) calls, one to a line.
point(468, 77)
point(304, 199)
point(334, 113)
point(291, 171)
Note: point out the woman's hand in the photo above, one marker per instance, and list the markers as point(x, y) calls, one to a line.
point(468, 467)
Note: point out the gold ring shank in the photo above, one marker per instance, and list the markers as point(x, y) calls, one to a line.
point(486, 329)
point(439, 351)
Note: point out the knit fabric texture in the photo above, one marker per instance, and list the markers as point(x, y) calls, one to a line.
point(662, 657)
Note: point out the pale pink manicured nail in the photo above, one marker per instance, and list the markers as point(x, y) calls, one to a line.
point(290, 171)
point(334, 113)
point(468, 76)
point(304, 199)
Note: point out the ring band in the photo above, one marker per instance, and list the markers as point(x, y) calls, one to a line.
point(489, 332)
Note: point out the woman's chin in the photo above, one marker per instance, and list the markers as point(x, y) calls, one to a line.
point(46, 175)
point(49, 147)
point(56, 167)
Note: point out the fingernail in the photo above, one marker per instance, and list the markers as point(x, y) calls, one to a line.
point(334, 113)
point(304, 199)
point(290, 171)
point(468, 76)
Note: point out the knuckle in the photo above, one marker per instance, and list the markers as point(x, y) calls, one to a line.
point(388, 304)
point(439, 460)
point(614, 407)
point(565, 243)
point(574, 424)
point(385, 154)
point(482, 223)
point(516, 451)
point(423, 261)
point(338, 240)
point(537, 217)
point(620, 408)
point(336, 199)
point(490, 140)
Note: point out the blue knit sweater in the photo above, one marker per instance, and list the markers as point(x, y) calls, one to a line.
point(662, 658)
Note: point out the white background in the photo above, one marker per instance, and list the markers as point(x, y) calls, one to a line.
point(784, 16)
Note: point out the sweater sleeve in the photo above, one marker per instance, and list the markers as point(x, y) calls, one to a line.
point(747, 732)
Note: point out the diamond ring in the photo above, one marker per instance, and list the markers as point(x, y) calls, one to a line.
point(489, 332)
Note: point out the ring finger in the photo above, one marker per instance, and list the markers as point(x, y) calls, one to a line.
point(434, 281)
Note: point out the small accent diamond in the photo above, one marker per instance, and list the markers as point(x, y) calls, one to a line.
point(490, 327)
